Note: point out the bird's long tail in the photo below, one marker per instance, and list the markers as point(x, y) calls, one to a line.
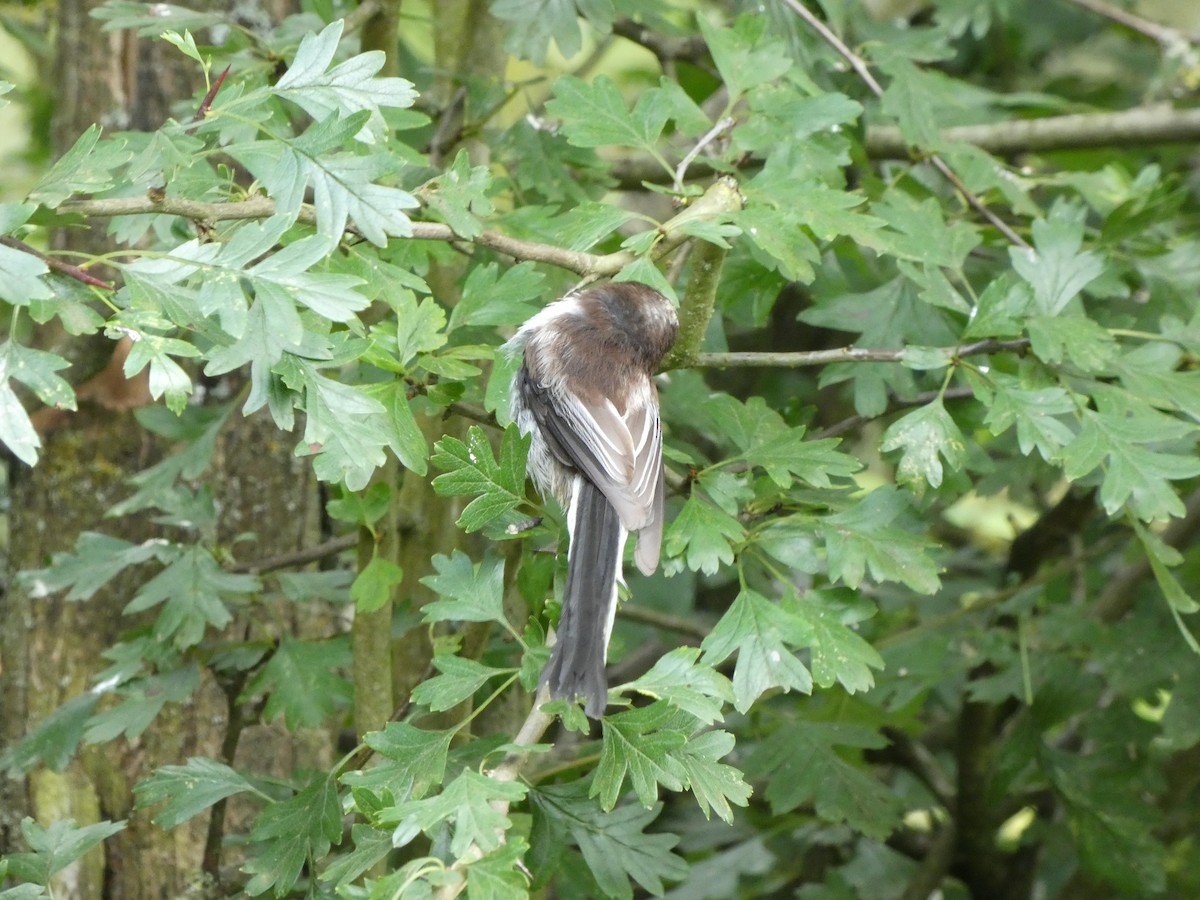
point(576, 667)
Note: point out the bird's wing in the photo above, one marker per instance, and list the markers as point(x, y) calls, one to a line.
point(620, 454)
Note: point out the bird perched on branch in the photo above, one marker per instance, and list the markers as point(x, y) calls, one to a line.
point(586, 395)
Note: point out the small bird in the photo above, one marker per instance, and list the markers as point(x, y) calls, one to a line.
point(586, 395)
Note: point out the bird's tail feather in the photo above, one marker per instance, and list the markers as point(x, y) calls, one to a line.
point(576, 667)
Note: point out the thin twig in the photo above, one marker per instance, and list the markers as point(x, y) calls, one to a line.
point(1168, 38)
point(54, 263)
point(709, 136)
point(690, 627)
point(206, 103)
point(300, 557)
point(799, 359)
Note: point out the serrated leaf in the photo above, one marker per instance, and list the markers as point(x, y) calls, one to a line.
point(1035, 411)
point(469, 592)
point(1056, 267)
point(534, 23)
point(470, 469)
point(701, 537)
point(698, 690)
point(714, 784)
point(372, 587)
point(54, 847)
point(742, 55)
point(96, 560)
point(189, 789)
point(346, 88)
point(925, 436)
point(192, 589)
point(494, 297)
point(416, 760)
point(141, 701)
point(838, 653)
point(89, 167)
point(459, 679)
point(21, 277)
point(460, 195)
point(595, 115)
point(863, 538)
point(53, 741)
point(763, 634)
point(466, 804)
point(1119, 435)
point(803, 766)
point(614, 843)
point(302, 681)
point(638, 744)
point(289, 834)
point(501, 874)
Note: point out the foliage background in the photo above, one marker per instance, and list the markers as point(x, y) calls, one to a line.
point(278, 598)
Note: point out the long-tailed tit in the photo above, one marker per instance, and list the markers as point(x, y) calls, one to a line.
point(586, 395)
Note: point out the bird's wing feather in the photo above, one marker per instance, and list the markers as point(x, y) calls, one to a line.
point(621, 454)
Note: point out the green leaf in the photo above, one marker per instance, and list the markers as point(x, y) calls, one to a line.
point(16, 429)
point(460, 196)
point(192, 589)
point(1056, 268)
point(89, 167)
point(373, 586)
point(702, 537)
point(864, 538)
point(638, 744)
point(290, 834)
point(345, 428)
point(762, 633)
point(614, 843)
point(346, 88)
point(743, 56)
point(188, 789)
point(459, 679)
point(53, 848)
point(371, 846)
point(909, 98)
point(838, 653)
point(534, 23)
point(21, 277)
point(698, 690)
point(493, 297)
point(416, 760)
point(302, 681)
point(1035, 411)
point(97, 559)
point(469, 592)
point(53, 741)
point(595, 115)
point(142, 701)
point(925, 436)
point(404, 434)
point(1118, 435)
point(1071, 337)
point(714, 784)
point(363, 508)
point(501, 875)
point(470, 469)
point(35, 369)
point(466, 804)
point(802, 765)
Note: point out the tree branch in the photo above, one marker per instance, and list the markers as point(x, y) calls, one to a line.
point(719, 198)
point(300, 557)
point(784, 359)
point(1168, 38)
point(1140, 126)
